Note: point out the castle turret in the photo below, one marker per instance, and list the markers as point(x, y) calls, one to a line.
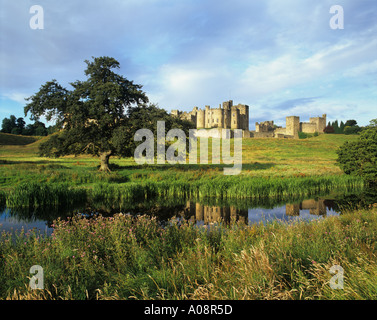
point(235, 118)
point(200, 119)
point(218, 119)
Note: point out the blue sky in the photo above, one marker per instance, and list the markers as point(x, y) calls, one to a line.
point(279, 57)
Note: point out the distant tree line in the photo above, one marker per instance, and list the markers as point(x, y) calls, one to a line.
point(348, 127)
point(18, 126)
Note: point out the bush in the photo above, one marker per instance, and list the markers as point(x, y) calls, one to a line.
point(302, 135)
point(360, 157)
point(352, 130)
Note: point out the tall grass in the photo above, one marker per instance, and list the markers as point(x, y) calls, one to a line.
point(36, 195)
point(63, 194)
point(135, 258)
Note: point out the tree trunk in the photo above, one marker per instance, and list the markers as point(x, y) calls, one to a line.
point(105, 156)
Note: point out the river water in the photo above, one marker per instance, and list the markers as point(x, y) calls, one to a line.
point(204, 211)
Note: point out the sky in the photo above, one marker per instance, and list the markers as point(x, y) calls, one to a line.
point(281, 58)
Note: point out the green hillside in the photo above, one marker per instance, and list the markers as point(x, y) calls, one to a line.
point(16, 140)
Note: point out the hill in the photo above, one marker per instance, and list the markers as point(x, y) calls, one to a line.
point(16, 140)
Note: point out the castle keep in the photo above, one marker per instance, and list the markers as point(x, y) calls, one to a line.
point(226, 116)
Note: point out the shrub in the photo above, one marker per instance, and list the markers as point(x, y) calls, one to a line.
point(360, 157)
point(352, 130)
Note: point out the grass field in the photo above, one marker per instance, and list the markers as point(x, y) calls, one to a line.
point(271, 168)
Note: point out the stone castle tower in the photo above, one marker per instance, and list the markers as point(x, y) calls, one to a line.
point(226, 116)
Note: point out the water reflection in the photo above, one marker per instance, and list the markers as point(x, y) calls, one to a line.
point(210, 214)
point(201, 211)
point(315, 207)
point(307, 209)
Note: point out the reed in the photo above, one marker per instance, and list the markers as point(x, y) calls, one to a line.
point(63, 194)
point(34, 195)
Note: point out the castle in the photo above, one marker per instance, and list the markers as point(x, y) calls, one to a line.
point(228, 116)
point(267, 129)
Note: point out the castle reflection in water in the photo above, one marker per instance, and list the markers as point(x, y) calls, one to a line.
point(210, 214)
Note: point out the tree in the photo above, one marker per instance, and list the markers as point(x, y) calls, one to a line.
point(9, 124)
point(329, 129)
point(352, 130)
point(15, 130)
point(341, 127)
point(91, 114)
point(350, 123)
point(335, 125)
point(20, 123)
point(360, 157)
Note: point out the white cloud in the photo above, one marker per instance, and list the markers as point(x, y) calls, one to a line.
point(17, 97)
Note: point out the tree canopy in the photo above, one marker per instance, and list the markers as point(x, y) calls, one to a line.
point(18, 126)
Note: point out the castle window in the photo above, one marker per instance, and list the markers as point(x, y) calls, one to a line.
point(213, 120)
point(217, 120)
point(234, 121)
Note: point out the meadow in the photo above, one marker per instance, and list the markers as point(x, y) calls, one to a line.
point(137, 257)
point(271, 168)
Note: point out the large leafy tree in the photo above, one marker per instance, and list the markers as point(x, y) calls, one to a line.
point(360, 157)
point(90, 114)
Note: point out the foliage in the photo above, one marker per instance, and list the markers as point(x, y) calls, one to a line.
point(302, 135)
point(349, 127)
point(17, 127)
point(360, 157)
point(329, 129)
point(352, 129)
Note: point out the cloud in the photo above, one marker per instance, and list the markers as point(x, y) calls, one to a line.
point(266, 54)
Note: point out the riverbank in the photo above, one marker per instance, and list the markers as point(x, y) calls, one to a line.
point(122, 257)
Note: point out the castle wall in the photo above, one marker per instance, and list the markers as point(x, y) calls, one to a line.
point(263, 134)
point(266, 126)
point(308, 127)
point(280, 131)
